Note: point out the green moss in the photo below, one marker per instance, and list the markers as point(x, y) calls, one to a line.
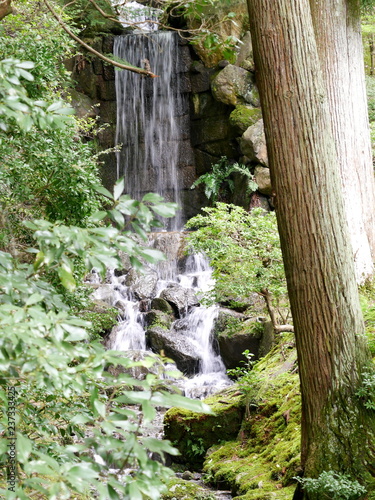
point(243, 117)
point(263, 461)
point(193, 433)
point(179, 489)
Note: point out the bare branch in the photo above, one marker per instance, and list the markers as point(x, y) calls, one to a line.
point(134, 69)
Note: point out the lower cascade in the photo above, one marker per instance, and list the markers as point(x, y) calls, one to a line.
point(159, 311)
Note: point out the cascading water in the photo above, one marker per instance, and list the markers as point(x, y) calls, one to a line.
point(149, 132)
point(193, 328)
point(148, 111)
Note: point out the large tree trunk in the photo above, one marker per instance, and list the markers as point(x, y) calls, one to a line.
point(338, 34)
point(315, 241)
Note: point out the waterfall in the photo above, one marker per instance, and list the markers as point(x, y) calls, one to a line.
point(150, 117)
point(191, 334)
point(148, 111)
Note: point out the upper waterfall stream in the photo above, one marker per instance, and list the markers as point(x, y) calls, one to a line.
point(148, 111)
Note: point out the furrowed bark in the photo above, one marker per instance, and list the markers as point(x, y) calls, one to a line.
point(337, 432)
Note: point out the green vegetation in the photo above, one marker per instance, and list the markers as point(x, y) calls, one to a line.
point(218, 183)
point(332, 485)
point(244, 251)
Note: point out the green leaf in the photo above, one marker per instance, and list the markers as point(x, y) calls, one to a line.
point(100, 408)
point(98, 216)
point(117, 217)
point(112, 493)
point(34, 299)
point(75, 332)
point(66, 278)
point(118, 188)
point(25, 65)
point(24, 447)
point(82, 471)
point(102, 190)
point(152, 255)
point(152, 197)
point(165, 210)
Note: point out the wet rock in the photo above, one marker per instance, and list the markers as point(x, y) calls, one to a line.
point(253, 143)
point(160, 304)
point(155, 318)
point(176, 347)
point(181, 299)
point(142, 285)
point(105, 293)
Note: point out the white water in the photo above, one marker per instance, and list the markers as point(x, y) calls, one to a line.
point(195, 326)
point(147, 116)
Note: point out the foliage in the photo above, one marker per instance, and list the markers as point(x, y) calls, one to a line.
point(46, 171)
point(367, 390)
point(244, 251)
point(16, 106)
point(368, 311)
point(68, 406)
point(31, 34)
point(247, 379)
point(204, 19)
point(218, 182)
point(333, 486)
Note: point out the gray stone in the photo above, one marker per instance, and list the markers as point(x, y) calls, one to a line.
point(234, 85)
point(160, 319)
point(253, 143)
point(83, 105)
point(239, 336)
point(175, 346)
point(162, 305)
point(180, 298)
point(245, 58)
point(142, 285)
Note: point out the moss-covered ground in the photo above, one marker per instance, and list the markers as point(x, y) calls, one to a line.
point(261, 462)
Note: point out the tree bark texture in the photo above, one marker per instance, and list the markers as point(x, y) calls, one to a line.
point(337, 30)
point(5, 8)
point(337, 432)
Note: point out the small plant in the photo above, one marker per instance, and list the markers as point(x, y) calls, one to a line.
point(247, 379)
point(217, 183)
point(367, 390)
point(333, 486)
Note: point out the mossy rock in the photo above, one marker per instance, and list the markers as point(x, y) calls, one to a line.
point(162, 305)
point(242, 117)
point(156, 318)
point(102, 317)
point(179, 489)
point(194, 433)
point(261, 464)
